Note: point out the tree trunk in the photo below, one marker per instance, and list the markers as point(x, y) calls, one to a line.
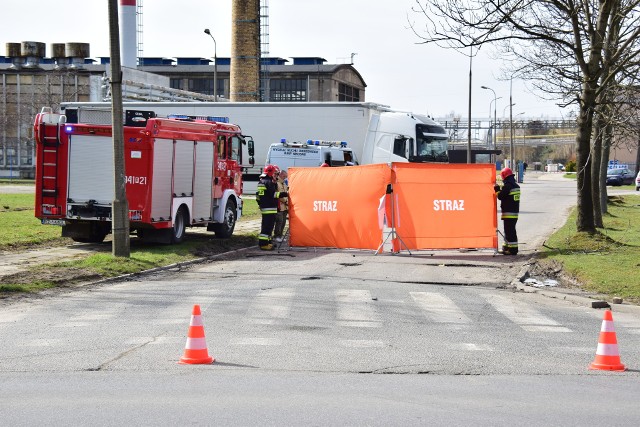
point(596, 166)
point(606, 149)
point(584, 220)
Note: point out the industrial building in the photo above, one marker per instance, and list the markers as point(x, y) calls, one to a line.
point(30, 79)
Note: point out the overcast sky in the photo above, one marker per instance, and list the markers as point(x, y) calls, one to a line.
point(398, 70)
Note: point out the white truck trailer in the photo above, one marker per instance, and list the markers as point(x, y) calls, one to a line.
point(375, 133)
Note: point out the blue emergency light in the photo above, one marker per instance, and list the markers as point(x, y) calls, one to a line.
point(69, 129)
point(283, 140)
point(309, 142)
point(219, 119)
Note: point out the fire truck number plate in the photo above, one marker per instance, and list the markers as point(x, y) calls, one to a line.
point(53, 221)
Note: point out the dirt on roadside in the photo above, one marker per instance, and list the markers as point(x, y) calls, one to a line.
point(33, 265)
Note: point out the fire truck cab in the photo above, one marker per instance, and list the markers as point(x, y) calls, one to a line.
point(181, 171)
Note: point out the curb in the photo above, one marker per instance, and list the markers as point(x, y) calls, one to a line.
point(586, 300)
point(163, 268)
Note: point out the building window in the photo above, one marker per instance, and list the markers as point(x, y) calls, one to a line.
point(201, 86)
point(175, 83)
point(25, 157)
point(283, 90)
point(348, 93)
point(220, 88)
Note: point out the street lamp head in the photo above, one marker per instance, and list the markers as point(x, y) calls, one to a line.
point(206, 31)
point(484, 87)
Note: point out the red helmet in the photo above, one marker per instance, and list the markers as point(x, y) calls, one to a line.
point(269, 170)
point(505, 173)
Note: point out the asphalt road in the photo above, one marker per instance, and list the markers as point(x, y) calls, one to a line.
point(324, 337)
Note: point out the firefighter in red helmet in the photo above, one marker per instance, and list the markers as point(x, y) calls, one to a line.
point(267, 197)
point(509, 195)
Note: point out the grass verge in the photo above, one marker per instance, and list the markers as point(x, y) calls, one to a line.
point(103, 265)
point(17, 181)
point(606, 262)
point(20, 230)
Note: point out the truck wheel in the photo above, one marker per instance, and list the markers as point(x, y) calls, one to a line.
point(225, 229)
point(179, 225)
point(95, 235)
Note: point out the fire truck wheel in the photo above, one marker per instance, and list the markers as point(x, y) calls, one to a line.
point(95, 234)
point(225, 229)
point(179, 225)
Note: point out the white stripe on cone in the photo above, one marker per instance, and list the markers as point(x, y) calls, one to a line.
point(196, 321)
point(196, 344)
point(607, 326)
point(607, 349)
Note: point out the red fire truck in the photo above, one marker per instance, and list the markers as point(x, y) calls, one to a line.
point(180, 172)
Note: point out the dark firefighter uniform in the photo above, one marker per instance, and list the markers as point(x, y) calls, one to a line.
point(267, 196)
point(509, 196)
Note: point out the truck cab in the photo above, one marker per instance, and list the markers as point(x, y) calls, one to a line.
point(405, 137)
point(312, 153)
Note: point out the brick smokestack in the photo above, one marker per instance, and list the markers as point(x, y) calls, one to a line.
point(245, 51)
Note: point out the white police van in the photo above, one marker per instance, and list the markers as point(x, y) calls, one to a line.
point(313, 153)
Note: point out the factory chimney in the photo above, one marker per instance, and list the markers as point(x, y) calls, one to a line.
point(128, 34)
point(245, 51)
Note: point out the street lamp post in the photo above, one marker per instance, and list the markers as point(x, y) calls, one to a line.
point(493, 135)
point(519, 114)
point(495, 121)
point(215, 65)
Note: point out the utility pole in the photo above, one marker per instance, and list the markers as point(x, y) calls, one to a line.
point(120, 207)
point(469, 122)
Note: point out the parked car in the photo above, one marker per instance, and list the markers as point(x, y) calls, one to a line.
point(617, 177)
point(638, 182)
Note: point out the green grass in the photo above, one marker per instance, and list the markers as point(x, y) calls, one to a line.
point(16, 201)
point(606, 262)
point(19, 228)
point(17, 181)
point(250, 209)
point(104, 265)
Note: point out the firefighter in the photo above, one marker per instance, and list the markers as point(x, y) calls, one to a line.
point(283, 206)
point(509, 196)
point(267, 197)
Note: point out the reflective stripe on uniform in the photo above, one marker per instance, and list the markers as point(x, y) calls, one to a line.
point(263, 237)
point(268, 211)
point(509, 215)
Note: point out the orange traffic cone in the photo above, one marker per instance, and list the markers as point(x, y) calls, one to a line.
point(607, 355)
point(195, 351)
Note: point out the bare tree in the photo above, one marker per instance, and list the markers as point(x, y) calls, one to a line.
point(557, 45)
